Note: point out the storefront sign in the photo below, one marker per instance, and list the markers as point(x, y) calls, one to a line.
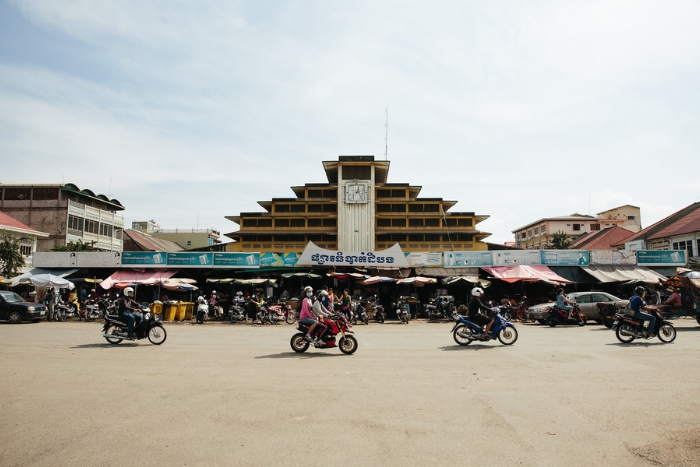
point(516, 257)
point(237, 260)
point(661, 258)
point(460, 259)
point(424, 260)
point(290, 259)
point(565, 257)
point(154, 259)
point(268, 260)
point(55, 259)
point(99, 259)
point(314, 256)
point(613, 257)
point(190, 260)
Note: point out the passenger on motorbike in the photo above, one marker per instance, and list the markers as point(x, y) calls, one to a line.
point(564, 303)
point(637, 304)
point(475, 312)
point(129, 312)
point(320, 312)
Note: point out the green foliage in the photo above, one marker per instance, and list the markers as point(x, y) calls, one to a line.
point(11, 259)
point(560, 241)
point(694, 265)
point(76, 246)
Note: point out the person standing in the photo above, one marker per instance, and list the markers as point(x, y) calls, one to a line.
point(331, 300)
point(51, 302)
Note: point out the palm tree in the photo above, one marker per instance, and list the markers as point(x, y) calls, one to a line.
point(11, 259)
point(560, 241)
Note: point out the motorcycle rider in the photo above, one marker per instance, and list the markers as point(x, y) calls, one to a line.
point(129, 312)
point(637, 304)
point(320, 312)
point(479, 313)
point(564, 303)
point(306, 317)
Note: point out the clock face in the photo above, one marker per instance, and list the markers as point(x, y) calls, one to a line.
point(356, 193)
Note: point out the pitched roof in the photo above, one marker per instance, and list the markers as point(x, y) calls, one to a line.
point(686, 220)
point(602, 239)
point(145, 242)
point(13, 225)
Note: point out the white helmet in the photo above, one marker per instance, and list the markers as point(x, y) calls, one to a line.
point(477, 291)
point(128, 292)
point(308, 287)
point(200, 299)
point(213, 292)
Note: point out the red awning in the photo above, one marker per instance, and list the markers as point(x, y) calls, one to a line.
point(119, 278)
point(526, 274)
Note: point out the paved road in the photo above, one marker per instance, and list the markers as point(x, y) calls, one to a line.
point(237, 395)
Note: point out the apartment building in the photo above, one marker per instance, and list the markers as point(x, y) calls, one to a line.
point(357, 210)
point(188, 239)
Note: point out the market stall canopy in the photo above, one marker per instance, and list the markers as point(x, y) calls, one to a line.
point(682, 280)
point(24, 278)
point(417, 280)
point(272, 282)
point(470, 279)
point(607, 273)
point(525, 274)
point(46, 280)
point(376, 280)
point(136, 277)
point(301, 274)
point(447, 272)
point(186, 285)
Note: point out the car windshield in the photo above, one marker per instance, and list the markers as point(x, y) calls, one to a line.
point(11, 297)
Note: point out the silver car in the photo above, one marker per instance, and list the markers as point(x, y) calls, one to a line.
point(587, 301)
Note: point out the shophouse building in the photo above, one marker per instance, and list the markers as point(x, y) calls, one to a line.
point(537, 235)
point(188, 239)
point(26, 237)
point(66, 213)
point(357, 210)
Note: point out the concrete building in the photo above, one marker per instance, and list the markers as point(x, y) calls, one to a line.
point(632, 214)
point(538, 234)
point(66, 213)
point(135, 240)
point(357, 210)
point(188, 239)
point(27, 237)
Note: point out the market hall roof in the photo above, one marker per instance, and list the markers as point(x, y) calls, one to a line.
point(685, 221)
point(602, 239)
point(143, 242)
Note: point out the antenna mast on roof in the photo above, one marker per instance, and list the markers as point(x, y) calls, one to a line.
point(386, 133)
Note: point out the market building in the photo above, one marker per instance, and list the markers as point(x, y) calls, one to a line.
point(66, 213)
point(357, 210)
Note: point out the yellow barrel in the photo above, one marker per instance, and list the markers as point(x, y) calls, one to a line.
point(189, 310)
point(181, 309)
point(157, 308)
point(170, 312)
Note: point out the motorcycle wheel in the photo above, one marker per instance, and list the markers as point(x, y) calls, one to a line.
point(508, 336)
point(157, 335)
point(367, 321)
point(697, 318)
point(622, 338)
point(113, 329)
point(582, 321)
point(88, 318)
point(62, 317)
point(233, 319)
point(667, 333)
point(347, 345)
point(607, 322)
point(552, 323)
point(298, 343)
point(291, 317)
point(507, 316)
point(462, 334)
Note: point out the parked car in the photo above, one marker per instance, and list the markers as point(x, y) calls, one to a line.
point(586, 301)
point(15, 309)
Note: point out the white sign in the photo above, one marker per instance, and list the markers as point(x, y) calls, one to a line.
point(390, 258)
point(613, 257)
point(99, 259)
point(55, 259)
point(516, 257)
point(424, 260)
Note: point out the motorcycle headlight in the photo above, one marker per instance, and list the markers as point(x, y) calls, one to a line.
point(31, 308)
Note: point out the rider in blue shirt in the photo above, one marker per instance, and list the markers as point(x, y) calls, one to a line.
point(637, 304)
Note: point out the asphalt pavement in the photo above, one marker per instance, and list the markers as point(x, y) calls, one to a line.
point(221, 394)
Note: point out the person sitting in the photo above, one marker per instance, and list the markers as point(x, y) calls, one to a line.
point(129, 312)
point(306, 316)
point(674, 300)
point(320, 312)
point(479, 313)
point(637, 304)
point(564, 303)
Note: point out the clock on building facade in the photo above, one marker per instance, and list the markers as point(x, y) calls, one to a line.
point(356, 193)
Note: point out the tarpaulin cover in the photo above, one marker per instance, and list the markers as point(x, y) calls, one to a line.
point(525, 274)
point(417, 280)
point(135, 277)
point(623, 273)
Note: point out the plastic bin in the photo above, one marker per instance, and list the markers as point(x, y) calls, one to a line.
point(181, 308)
point(189, 310)
point(170, 312)
point(157, 308)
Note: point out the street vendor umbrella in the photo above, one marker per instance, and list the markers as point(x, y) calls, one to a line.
point(470, 279)
point(301, 274)
point(376, 280)
point(45, 280)
point(417, 281)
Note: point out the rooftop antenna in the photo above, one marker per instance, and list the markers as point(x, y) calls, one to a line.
point(386, 133)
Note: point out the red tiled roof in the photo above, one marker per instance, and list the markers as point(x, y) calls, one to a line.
point(602, 240)
point(684, 221)
point(148, 243)
point(12, 223)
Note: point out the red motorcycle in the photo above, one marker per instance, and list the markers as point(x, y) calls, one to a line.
point(559, 316)
point(336, 324)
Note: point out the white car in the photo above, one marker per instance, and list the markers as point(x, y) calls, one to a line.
point(587, 301)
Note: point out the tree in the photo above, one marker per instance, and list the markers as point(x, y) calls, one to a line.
point(76, 246)
point(11, 259)
point(560, 241)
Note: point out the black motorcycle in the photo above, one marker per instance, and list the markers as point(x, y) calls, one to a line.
point(558, 316)
point(401, 310)
point(115, 330)
point(237, 313)
point(628, 328)
point(378, 310)
point(359, 313)
point(440, 309)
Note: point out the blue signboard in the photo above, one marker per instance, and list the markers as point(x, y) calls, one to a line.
point(290, 259)
point(236, 260)
point(460, 259)
point(190, 260)
point(661, 257)
point(154, 259)
point(566, 257)
point(272, 260)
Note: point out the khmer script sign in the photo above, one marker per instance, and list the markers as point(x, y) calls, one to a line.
point(390, 258)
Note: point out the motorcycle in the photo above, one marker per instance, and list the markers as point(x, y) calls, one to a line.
point(278, 313)
point(628, 328)
point(216, 311)
point(202, 312)
point(237, 313)
point(378, 310)
point(336, 324)
point(359, 313)
point(65, 311)
point(401, 311)
point(559, 316)
point(464, 331)
point(92, 310)
point(115, 331)
point(440, 309)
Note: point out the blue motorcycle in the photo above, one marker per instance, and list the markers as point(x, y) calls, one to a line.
point(464, 331)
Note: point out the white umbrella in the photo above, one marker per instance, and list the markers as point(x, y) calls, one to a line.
point(45, 280)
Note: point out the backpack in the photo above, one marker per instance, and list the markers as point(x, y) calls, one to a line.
point(627, 310)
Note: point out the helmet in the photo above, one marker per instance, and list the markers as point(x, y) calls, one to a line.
point(213, 291)
point(477, 291)
point(200, 299)
point(129, 292)
point(639, 290)
point(239, 293)
point(92, 290)
point(308, 287)
point(321, 293)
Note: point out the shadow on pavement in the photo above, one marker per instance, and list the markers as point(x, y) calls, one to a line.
point(637, 343)
point(300, 355)
point(106, 345)
point(447, 348)
point(695, 329)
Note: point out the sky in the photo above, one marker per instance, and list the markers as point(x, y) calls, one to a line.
point(189, 111)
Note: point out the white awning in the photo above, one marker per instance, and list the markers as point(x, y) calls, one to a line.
point(623, 273)
point(447, 272)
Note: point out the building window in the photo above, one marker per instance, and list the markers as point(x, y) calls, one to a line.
point(329, 208)
point(432, 237)
point(314, 222)
point(595, 227)
point(431, 207)
point(415, 208)
point(329, 222)
point(281, 208)
point(315, 207)
point(631, 218)
point(25, 250)
point(189, 242)
point(91, 226)
point(415, 223)
point(106, 230)
point(529, 233)
point(432, 222)
point(463, 237)
point(298, 208)
point(16, 194)
point(297, 223)
point(281, 222)
point(75, 222)
point(391, 208)
point(398, 222)
point(537, 230)
point(383, 222)
point(357, 172)
point(384, 238)
point(264, 222)
point(685, 245)
point(42, 194)
point(314, 194)
point(416, 238)
point(577, 227)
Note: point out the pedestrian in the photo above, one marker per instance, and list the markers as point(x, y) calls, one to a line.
point(252, 308)
point(51, 301)
point(331, 300)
